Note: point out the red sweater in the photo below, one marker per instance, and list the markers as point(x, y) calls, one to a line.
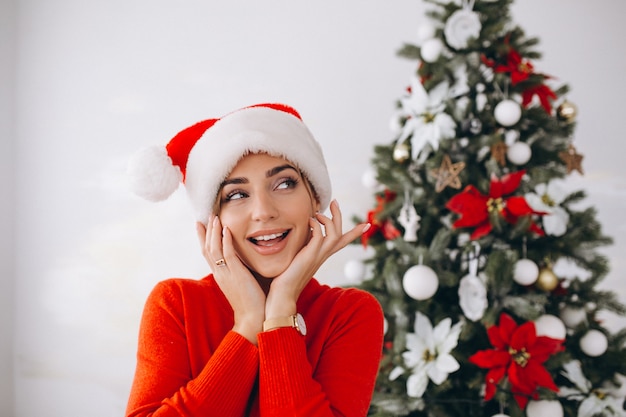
point(189, 362)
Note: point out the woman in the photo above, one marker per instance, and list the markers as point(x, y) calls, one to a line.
point(259, 336)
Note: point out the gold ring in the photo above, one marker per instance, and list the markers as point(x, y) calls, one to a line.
point(220, 262)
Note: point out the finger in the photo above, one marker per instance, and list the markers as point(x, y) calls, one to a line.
point(351, 235)
point(317, 235)
point(227, 245)
point(335, 211)
point(215, 239)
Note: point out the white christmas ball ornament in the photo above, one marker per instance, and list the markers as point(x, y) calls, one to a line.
point(551, 326)
point(354, 270)
point(572, 316)
point(420, 282)
point(544, 408)
point(525, 272)
point(507, 112)
point(594, 343)
point(519, 153)
point(431, 50)
point(369, 179)
point(500, 415)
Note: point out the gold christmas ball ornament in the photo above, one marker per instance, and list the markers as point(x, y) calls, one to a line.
point(401, 152)
point(567, 111)
point(547, 280)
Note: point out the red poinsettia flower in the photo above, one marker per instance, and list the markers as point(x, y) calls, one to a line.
point(475, 207)
point(518, 353)
point(543, 92)
point(388, 230)
point(520, 70)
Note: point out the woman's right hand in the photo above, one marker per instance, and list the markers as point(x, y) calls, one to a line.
point(245, 295)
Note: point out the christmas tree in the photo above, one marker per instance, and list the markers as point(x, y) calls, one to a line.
point(473, 214)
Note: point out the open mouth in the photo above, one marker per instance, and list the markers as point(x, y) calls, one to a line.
point(269, 240)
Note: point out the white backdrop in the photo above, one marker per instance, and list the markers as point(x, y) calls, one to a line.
point(96, 80)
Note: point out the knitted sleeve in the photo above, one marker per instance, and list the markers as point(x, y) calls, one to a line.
point(163, 384)
point(342, 382)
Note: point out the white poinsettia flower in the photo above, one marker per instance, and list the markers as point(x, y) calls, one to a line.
point(592, 401)
point(547, 199)
point(427, 123)
point(428, 356)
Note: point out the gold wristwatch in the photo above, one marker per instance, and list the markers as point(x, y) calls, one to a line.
point(296, 321)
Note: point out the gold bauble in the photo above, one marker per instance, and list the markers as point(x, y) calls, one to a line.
point(401, 152)
point(547, 280)
point(567, 111)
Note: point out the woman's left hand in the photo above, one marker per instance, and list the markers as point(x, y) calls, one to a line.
point(286, 288)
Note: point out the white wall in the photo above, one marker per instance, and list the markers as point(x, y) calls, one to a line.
point(7, 207)
point(96, 80)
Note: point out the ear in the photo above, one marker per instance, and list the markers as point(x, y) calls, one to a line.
point(316, 204)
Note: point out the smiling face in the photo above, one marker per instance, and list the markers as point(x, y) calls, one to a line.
point(266, 204)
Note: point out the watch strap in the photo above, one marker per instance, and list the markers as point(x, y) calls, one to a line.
point(276, 322)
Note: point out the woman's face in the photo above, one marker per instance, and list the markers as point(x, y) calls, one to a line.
point(266, 205)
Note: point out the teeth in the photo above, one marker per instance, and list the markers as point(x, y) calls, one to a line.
point(269, 237)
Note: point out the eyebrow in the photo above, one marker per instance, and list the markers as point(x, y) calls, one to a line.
point(268, 174)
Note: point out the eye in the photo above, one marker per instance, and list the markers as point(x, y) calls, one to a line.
point(234, 195)
point(287, 183)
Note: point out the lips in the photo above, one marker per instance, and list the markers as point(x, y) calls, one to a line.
point(268, 239)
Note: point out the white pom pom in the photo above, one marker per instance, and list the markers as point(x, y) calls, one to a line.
point(152, 174)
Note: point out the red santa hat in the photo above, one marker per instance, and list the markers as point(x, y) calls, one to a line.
point(203, 155)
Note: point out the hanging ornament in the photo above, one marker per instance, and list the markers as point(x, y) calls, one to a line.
point(500, 415)
point(543, 408)
point(567, 111)
point(508, 112)
point(473, 125)
point(519, 153)
point(572, 159)
point(369, 179)
point(354, 270)
point(472, 289)
point(401, 152)
point(547, 280)
point(572, 316)
point(525, 272)
point(462, 26)
point(409, 219)
point(551, 326)
point(511, 136)
point(420, 282)
point(447, 174)
point(498, 152)
point(431, 50)
point(594, 343)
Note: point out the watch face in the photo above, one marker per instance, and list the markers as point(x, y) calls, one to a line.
point(301, 325)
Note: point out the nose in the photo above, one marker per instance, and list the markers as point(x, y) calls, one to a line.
point(264, 207)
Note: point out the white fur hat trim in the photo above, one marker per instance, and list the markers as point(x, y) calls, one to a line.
point(252, 130)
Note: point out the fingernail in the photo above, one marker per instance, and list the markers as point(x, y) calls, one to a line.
point(366, 227)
